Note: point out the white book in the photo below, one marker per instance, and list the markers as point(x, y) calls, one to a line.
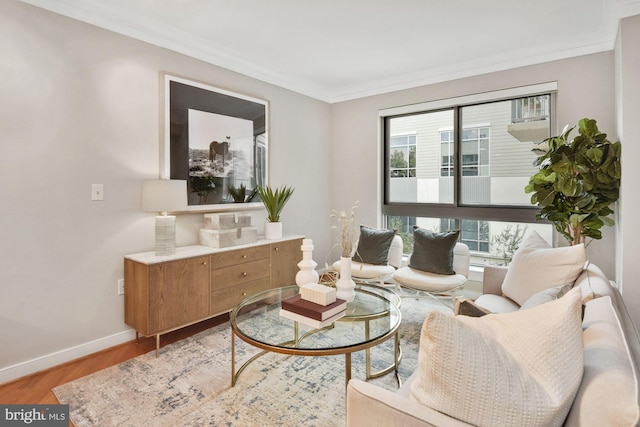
point(309, 321)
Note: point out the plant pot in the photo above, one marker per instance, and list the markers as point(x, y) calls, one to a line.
point(345, 285)
point(272, 230)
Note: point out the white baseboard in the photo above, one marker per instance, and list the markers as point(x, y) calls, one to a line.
point(32, 366)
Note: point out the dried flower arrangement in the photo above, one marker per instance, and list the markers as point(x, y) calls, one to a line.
point(348, 226)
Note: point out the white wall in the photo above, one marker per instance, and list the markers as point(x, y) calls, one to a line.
point(81, 105)
point(628, 111)
point(585, 89)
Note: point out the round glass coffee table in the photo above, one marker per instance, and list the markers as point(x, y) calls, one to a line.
point(371, 319)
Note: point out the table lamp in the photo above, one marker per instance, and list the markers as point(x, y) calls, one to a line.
point(165, 195)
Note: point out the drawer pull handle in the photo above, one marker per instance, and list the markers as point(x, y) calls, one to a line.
point(244, 256)
point(204, 263)
point(244, 273)
point(244, 294)
point(277, 248)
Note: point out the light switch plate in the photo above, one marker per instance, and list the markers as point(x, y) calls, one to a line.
point(97, 192)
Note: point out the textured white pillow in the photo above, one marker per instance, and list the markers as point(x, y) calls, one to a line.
point(512, 369)
point(535, 268)
point(534, 240)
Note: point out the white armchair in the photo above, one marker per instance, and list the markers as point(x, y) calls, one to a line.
point(438, 284)
point(364, 272)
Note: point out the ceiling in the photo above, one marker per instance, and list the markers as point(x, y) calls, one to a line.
point(336, 50)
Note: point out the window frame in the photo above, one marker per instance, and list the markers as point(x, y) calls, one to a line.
point(457, 209)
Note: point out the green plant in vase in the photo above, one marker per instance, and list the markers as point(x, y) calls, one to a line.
point(577, 182)
point(274, 201)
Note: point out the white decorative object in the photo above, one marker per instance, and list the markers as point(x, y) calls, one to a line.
point(307, 273)
point(226, 238)
point(222, 230)
point(165, 195)
point(225, 221)
point(165, 235)
point(272, 230)
point(345, 285)
point(319, 294)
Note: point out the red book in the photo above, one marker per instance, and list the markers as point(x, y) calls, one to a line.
point(296, 304)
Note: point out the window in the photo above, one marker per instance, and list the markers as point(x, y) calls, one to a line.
point(446, 149)
point(530, 109)
point(474, 234)
point(404, 228)
point(413, 158)
point(490, 242)
point(465, 162)
point(475, 141)
point(402, 160)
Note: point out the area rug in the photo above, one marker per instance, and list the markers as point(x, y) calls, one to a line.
point(189, 384)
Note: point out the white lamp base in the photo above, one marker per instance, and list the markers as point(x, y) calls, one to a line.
point(165, 235)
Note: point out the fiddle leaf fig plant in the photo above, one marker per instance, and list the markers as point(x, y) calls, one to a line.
point(577, 182)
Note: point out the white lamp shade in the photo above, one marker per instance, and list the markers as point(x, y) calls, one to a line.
point(164, 195)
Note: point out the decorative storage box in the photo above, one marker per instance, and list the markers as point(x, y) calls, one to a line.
point(226, 221)
point(319, 294)
point(225, 238)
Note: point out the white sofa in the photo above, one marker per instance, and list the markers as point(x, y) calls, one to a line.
point(607, 395)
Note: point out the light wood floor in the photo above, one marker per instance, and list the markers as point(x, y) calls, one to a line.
point(36, 388)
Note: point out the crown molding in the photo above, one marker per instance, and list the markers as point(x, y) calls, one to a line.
point(171, 38)
point(146, 30)
point(627, 8)
point(461, 70)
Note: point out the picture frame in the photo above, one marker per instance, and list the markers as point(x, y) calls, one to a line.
point(216, 140)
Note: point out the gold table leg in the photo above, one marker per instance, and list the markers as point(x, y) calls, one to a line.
point(397, 356)
point(233, 359)
point(367, 335)
point(234, 374)
point(347, 368)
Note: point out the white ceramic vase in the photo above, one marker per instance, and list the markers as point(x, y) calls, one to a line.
point(307, 273)
point(345, 285)
point(272, 230)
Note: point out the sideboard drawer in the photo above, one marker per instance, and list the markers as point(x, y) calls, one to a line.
point(235, 274)
point(225, 299)
point(239, 256)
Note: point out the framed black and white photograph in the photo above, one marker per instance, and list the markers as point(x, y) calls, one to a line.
point(217, 141)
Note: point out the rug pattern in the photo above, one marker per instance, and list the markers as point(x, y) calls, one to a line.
point(189, 384)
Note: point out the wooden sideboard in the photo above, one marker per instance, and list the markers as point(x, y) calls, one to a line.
point(165, 293)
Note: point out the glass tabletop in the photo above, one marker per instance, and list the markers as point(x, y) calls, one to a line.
point(371, 317)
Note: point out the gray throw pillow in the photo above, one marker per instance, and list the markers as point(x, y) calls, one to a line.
point(433, 252)
point(373, 245)
point(546, 295)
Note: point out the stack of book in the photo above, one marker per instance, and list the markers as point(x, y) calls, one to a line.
point(312, 313)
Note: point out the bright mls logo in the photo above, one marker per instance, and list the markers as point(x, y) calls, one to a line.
point(34, 415)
